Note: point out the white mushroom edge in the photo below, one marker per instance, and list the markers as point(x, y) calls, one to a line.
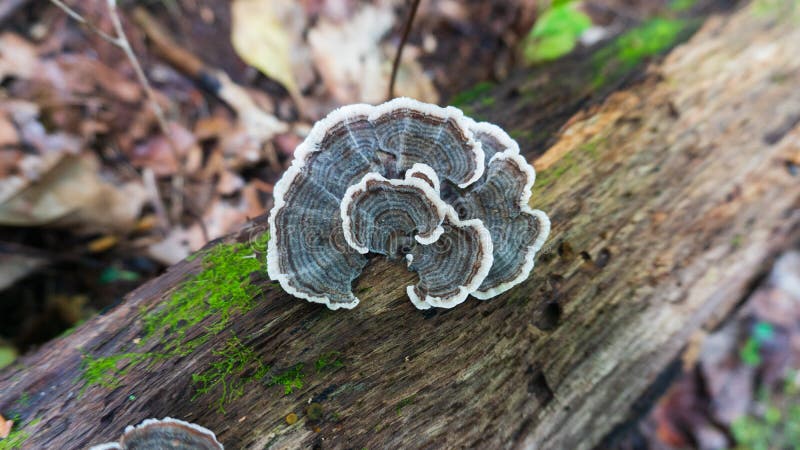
point(370, 112)
point(412, 179)
point(485, 264)
point(301, 154)
point(165, 421)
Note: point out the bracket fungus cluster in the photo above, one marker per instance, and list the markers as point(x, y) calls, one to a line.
point(166, 434)
point(407, 180)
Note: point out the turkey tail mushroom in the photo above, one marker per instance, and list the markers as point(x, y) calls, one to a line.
point(166, 434)
point(404, 179)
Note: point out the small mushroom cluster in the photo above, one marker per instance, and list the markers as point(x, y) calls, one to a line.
point(164, 434)
point(407, 180)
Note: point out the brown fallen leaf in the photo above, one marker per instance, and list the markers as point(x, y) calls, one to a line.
point(157, 153)
point(5, 427)
point(229, 183)
point(18, 57)
point(261, 39)
point(64, 189)
point(102, 243)
point(353, 65)
point(211, 127)
point(219, 219)
point(19, 261)
point(8, 133)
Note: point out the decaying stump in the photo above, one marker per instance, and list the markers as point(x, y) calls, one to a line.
point(667, 199)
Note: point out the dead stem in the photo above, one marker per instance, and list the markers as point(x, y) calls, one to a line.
point(121, 41)
point(399, 54)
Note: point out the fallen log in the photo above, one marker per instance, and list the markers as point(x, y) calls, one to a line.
point(667, 199)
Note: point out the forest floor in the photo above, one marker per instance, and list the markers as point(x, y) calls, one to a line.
point(106, 180)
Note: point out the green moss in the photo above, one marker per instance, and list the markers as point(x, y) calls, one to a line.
point(555, 33)
point(221, 289)
point(290, 379)
point(470, 95)
point(681, 5)
point(328, 361)
point(364, 290)
point(569, 161)
point(71, 329)
point(17, 438)
point(238, 365)
point(632, 47)
point(405, 402)
point(551, 174)
point(775, 423)
point(107, 371)
point(592, 148)
point(24, 400)
point(761, 334)
point(784, 10)
point(651, 38)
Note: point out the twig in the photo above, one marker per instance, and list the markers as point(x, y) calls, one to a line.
point(178, 179)
point(399, 54)
point(79, 18)
point(260, 125)
point(121, 41)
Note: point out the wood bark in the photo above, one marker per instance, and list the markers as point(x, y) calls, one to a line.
point(668, 198)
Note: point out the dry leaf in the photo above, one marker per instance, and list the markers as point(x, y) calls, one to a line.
point(8, 134)
point(18, 263)
point(65, 189)
point(229, 183)
point(5, 427)
point(255, 126)
point(260, 39)
point(157, 152)
point(18, 57)
point(220, 219)
point(356, 68)
point(348, 55)
point(102, 243)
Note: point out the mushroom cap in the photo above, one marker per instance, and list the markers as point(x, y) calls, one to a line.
point(166, 434)
point(500, 199)
point(386, 216)
point(452, 267)
point(384, 179)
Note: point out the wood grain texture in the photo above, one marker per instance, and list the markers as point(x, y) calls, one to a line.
point(667, 200)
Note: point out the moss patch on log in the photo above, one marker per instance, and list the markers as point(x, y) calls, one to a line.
point(107, 371)
point(290, 379)
point(17, 438)
point(328, 361)
point(631, 48)
point(223, 288)
point(238, 365)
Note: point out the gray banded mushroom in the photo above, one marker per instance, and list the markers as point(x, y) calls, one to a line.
point(166, 434)
point(404, 179)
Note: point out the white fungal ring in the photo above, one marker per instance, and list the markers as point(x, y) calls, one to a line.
point(164, 433)
point(430, 178)
point(474, 272)
point(369, 187)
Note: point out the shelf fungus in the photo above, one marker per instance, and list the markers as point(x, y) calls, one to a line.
point(168, 433)
point(406, 180)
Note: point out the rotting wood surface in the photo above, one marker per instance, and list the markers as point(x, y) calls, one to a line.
point(667, 200)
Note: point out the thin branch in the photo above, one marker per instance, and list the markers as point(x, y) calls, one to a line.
point(178, 179)
point(121, 41)
point(406, 31)
point(79, 18)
